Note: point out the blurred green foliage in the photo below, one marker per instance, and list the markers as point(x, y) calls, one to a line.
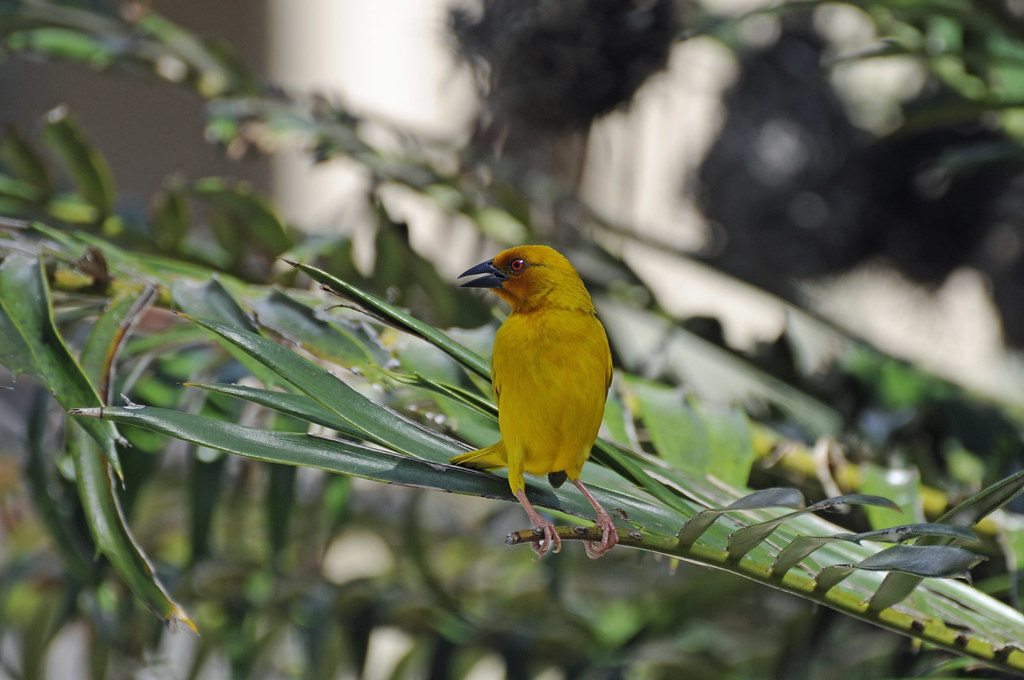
point(293, 572)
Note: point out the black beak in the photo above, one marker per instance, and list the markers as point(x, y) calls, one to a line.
point(496, 278)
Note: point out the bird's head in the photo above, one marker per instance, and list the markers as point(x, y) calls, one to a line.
point(530, 277)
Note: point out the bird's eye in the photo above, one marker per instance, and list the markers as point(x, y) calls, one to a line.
point(518, 264)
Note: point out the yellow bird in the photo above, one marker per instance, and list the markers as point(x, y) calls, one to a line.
point(551, 369)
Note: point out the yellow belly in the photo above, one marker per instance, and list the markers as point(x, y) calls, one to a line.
point(551, 373)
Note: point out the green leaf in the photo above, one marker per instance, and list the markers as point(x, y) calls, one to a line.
point(171, 217)
point(378, 423)
point(870, 500)
point(87, 168)
point(690, 436)
point(109, 528)
point(368, 462)
point(394, 316)
point(205, 483)
point(832, 575)
point(985, 502)
point(802, 547)
point(796, 551)
point(758, 500)
point(473, 425)
point(23, 163)
point(279, 506)
point(299, 324)
point(49, 499)
point(932, 561)
point(110, 330)
point(457, 395)
point(901, 486)
point(746, 539)
point(731, 443)
point(908, 532)
point(297, 405)
point(20, 190)
point(214, 75)
point(60, 43)
point(677, 432)
point(209, 299)
point(32, 344)
point(968, 513)
point(619, 430)
point(776, 497)
point(251, 215)
point(651, 342)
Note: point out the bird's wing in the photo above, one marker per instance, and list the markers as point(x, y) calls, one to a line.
point(608, 380)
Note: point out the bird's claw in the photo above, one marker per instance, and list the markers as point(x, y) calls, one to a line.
point(551, 540)
point(609, 537)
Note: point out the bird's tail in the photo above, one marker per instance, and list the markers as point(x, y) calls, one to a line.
point(488, 458)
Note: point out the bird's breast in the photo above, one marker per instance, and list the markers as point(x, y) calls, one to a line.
point(551, 372)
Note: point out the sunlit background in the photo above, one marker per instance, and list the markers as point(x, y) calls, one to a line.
point(644, 168)
point(395, 59)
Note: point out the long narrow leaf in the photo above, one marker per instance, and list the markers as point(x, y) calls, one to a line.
point(377, 422)
point(869, 500)
point(297, 405)
point(411, 324)
point(907, 532)
point(32, 344)
point(22, 161)
point(210, 299)
point(300, 324)
point(358, 460)
point(966, 514)
point(803, 546)
point(109, 333)
point(796, 551)
point(831, 576)
point(985, 502)
point(350, 458)
point(745, 539)
point(87, 168)
point(934, 561)
point(110, 530)
point(72, 544)
point(758, 500)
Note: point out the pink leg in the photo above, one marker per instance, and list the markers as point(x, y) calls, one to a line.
point(550, 537)
point(609, 535)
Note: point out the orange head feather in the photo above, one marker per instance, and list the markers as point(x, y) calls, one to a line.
point(532, 277)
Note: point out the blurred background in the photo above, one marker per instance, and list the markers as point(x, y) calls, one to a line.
point(721, 150)
point(829, 191)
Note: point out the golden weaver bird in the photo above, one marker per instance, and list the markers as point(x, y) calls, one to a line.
point(551, 368)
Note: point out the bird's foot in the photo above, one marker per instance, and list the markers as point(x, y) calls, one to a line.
point(541, 528)
point(551, 540)
point(609, 537)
